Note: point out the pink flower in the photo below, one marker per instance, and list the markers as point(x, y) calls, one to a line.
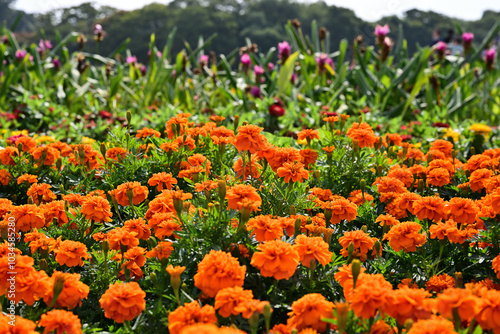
point(441, 46)
point(490, 55)
point(20, 54)
point(322, 60)
point(131, 59)
point(467, 37)
point(382, 31)
point(255, 91)
point(245, 60)
point(270, 67)
point(284, 50)
point(44, 45)
point(203, 60)
point(258, 70)
point(97, 29)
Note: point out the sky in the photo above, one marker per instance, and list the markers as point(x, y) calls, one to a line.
point(368, 10)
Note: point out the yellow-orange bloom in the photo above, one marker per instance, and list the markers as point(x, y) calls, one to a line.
point(276, 259)
point(123, 301)
point(293, 171)
point(237, 194)
point(405, 303)
point(190, 314)
point(405, 236)
point(341, 209)
point(71, 253)
point(265, 228)
point(97, 209)
point(228, 299)
point(435, 325)
point(461, 299)
point(138, 193)
point(218, 270)
point(310, 248)
point(308, 311)
point(371, 295)
point(60, 321)
point(432, 208)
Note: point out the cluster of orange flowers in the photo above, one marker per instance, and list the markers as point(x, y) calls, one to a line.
point(279, 247)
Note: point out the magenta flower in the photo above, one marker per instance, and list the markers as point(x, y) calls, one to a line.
point(158, 54)
point(255, 91)
point(131, 59)
point(293, 78)
point(490, 55)
point(441, 46)
point(270, 67)
point(44, 45)
point(322, 60)
point(284, 50)
point(56, 63)
point(258, 70)
point(382, 31)
point(467, 37)
point(245, 59)
point(143, 70)
point(20, 54)
point(203, 60)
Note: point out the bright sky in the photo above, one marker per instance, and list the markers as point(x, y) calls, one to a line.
point(367, 9)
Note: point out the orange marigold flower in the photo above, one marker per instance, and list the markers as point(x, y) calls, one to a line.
point(162, 180)
point(364, 137)
point(389, 187)
point(371, 295)
point(27, 217)
point(29, 144)
point(244, 171)
point(162, 250)
point(206, 186)
point(402, 174)
point(265, 228)
point(276, 259)
point(294, 171)
point(282, 155)
point(436, 325)
point(341, 209)
point(236, 194)
point(190, 314)
point(228, 299)
point(308, 311)
point(27, 178)
point(221, 136)
point(442, 145)
point(22, 326)
point(122, 238)
point(328, 149)
point(479, 178)
point(405, 236)
point(123, 301)
point(60, 321)
point(362, 244)
point(463, 210)
point(218, 270)
point(248, 307)
point(405, 303)
point(138, 226)
point(310, 248)
point(356, 197)
point(134, 189)
point(205, 329)
point(72, 293)
point(438, 177)
point(51, 155)
point(5, 177)
point(496, 265)
point(116, 153)
point(440, 230)
point(164, 224)
point(71, 253)
point(55, 210)
point(344, 274)
point(97, 209)
point(308, 134)
point(29, 287)
point(387, 220)
point(169, 147)
point(24, 265)
point(147, 132)
point(249, 138)
point(431, 207)
point(41, 193)
point(308, 157)
point(460, 299)
point(439, 283)
point(489, 315)
point(6, 155)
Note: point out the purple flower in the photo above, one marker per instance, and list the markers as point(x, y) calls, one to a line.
point(44, 45)
point(467, 37)
point(20, 54)
point(97, 29)
point(382, 31)
point(322, 60)
point(143, 70)
point(284, 50)
point(56, 63)
point(203, 60)
point(293, 78)
point(258, 70)
point(131, 59)
point(255, 91)
point(270, 67)
point(245, 60)
point(441, 46)
point(490, 55)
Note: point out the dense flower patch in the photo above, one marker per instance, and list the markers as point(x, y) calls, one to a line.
point(213, 227)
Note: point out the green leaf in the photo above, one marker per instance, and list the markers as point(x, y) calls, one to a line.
point(286, 72)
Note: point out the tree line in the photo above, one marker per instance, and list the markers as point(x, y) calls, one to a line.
point(261, 21)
